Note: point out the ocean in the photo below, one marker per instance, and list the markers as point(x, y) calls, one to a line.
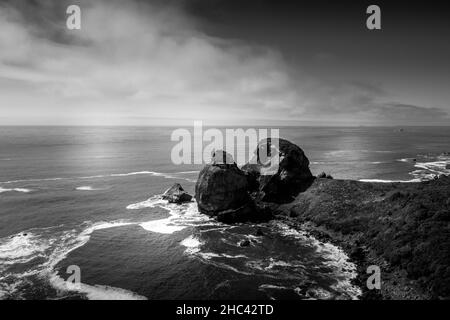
point(89, 197)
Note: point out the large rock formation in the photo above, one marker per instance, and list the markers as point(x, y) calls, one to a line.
point(278, 181)
point(278, 172)
point(222, 191)
point(176, 194)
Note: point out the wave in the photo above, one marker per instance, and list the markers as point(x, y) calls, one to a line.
point(429, 166)
point(46, 247)
point(186, 172)
point(32, 180)
point(175, 175)
point(289, 271)
point(94, 292)
point(338, 153)
point(389, 181)
point(192, 244)
point(15, 190)
point(21, 248)
point(180, 216)
point(424, 170)
point(161, 226)
point(343, 270)
point(87, 188)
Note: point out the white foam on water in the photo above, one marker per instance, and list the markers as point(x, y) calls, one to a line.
point(389, 181)
point(210, 255)
point(85, 188)
point(149, 203)
point(15, 190)
point(21, 248)
point(94, 292)
point(335, 258)
point(32, 180)
point(161, 226)
point(435, 167)
point(429, 170)
point(278, 263)
point(136, 173)
point(266, 288)
point(234, 257)
point(180, 216)
point(53, 246)
point(316, 293)
point(127, 174)
point(271, 286)
point(192, 244)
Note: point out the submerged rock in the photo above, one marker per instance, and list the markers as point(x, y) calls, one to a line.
point(244, 243)
point(176, 194)
point(259, 232)
point(278, 181)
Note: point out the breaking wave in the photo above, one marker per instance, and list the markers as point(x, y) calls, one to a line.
point(174, 175)
point(429, 166)
point(180, 216)
point(285, 269)
point(38, 251)
point(24, 190)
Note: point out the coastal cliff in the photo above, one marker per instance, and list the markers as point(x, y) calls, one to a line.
point(403, 228)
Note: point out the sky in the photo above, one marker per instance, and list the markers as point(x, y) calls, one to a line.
point(224, 62)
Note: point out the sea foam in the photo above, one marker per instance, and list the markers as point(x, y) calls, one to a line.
point(180, 216)
point(15, 190)
point(51, 245)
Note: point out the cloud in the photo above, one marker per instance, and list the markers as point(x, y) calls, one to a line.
point(134, 61)
point(405, 113)
point(134, 58)
point(358, 102)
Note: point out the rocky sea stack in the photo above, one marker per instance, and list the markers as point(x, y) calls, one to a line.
point(176, 194)
point(222, 191)
point(237, 195)
point(282, 181)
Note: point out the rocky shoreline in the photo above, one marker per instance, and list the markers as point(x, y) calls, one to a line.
point(402, 228)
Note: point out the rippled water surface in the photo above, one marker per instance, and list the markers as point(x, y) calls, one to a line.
point(90, 197)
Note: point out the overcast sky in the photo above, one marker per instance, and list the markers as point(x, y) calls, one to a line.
point(224, 62)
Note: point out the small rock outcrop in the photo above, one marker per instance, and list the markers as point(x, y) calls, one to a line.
point(176, 194)
point(244, 243)
point(282, 181)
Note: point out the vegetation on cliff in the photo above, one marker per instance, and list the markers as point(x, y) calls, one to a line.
point(404, 227)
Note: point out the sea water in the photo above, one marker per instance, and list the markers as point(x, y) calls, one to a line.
point(90, 197)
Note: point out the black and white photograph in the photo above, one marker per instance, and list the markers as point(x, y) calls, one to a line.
point(224, 150)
